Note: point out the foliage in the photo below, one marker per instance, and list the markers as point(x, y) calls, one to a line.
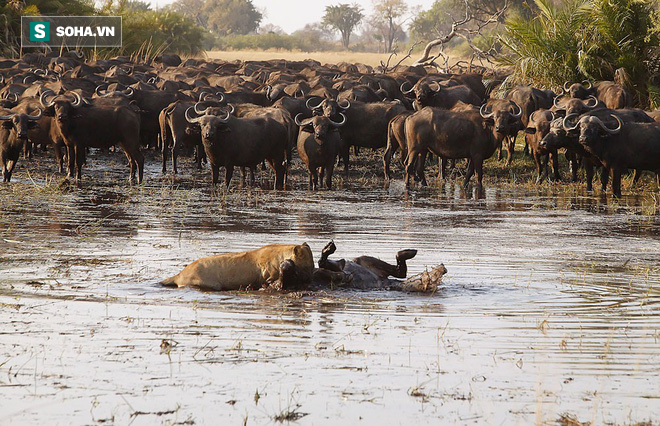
point(387, 19)
point(10, 18)
point(227, 17)
point(303, 40)
point(165, 30)
point(344, 18)
point(593, 39)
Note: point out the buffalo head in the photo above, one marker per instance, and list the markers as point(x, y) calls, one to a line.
point(319, 125)
point(578, 90)
point(210, 125)
point(503, 115)
point(19, 124)
point(328, 107)
point(60, 106)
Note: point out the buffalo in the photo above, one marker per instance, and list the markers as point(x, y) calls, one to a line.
point(318, 146)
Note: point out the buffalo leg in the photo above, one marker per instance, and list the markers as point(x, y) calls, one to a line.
point(329, 170)
point(345, 154)
point(387, 159)
point(555, 165)
point(280, 171)
point(28, 149)
point(604, 178)
point(638, 174)
point(616, 182)
point(589, 170)
point(311, 177)
point(80, 160)
point(71, 154)
point(57, 147)
point(511, 144)
point(215, 173)
point(468, 173)
point(479, 168)
point(229, 172)
point(164, 149)
point(537, 161)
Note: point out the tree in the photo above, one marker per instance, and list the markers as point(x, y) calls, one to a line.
point(343, 18)
point(226, 17)
point(387, 17)
point(594, 39)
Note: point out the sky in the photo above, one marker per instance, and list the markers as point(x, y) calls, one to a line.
point(292, 15)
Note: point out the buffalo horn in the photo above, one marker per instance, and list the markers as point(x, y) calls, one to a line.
point(7, 117)
point(77, 100)
point(565, 120)
point(36, 117)
point(483, 112)
point(566, 86)
point(46, 103)
point(594, 104)
point(341, 123)
point(189, 118)
point(437, 85)
point(297, 119)
point(555, 102)
point(346, 102)
point(608, 130)
point(587, 82)
point(404, 91)
point(310, 106)
point(519, 113)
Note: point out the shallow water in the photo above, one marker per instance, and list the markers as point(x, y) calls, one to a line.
point(551, 306)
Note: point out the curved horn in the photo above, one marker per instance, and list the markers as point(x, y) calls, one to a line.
point(519, 113)
point(310, 106)
point(221, 96)
point(563, 92)
point(405, 92)
point(77, 100)
point(45, 102)
point(339, 124)
point(439, 88)
point(555, 102)
point(483, 112)
point(2, 80)
point(566, 86)
point(198, 110)
point(79, 54)
point(565, 120)
point(12, 97)
point(28, 77)
point(7, 117)
point(191, 119)
point(347, 103)
point(40, 72)
point(231, 109)
point(552, 113)
point(297, 119)
point(588, 82)
point(594, 105)
point(269, 89)
point(611, 131)
point(225, 118)
point(36, 117)
point(101, 90)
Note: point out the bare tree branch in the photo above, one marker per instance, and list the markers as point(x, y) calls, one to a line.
point(459, 29)
point(386, 67)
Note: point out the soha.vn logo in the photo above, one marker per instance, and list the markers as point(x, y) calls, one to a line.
point(39, 31)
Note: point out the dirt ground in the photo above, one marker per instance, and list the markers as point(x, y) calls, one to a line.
point(549, 312)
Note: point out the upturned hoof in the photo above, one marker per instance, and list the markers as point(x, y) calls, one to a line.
point(329, 249)
point(406, 254)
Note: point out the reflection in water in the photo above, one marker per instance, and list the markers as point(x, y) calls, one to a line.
point(550, 307)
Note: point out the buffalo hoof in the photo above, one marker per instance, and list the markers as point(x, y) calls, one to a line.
point(406, 254)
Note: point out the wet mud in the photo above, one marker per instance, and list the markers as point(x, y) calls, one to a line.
point(551, 306)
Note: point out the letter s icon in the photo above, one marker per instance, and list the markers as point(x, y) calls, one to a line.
point(40, 31)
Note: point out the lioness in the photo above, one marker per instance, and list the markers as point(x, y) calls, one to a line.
point(248, 269)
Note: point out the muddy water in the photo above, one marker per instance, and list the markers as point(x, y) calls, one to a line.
point(550, 307)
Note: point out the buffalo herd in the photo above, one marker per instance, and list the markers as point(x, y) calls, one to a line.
point(248, 113)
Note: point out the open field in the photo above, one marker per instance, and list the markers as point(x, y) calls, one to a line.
point(372, 59)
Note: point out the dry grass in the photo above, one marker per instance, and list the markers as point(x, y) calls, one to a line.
point(372, 59)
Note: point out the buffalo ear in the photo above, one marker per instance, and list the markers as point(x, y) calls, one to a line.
point(530, 130)
point(489, 121)
point(301, 249)
point(33, 125)
point(49, 112)
point(7, 124)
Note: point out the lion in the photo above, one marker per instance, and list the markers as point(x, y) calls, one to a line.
point(248, 269)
